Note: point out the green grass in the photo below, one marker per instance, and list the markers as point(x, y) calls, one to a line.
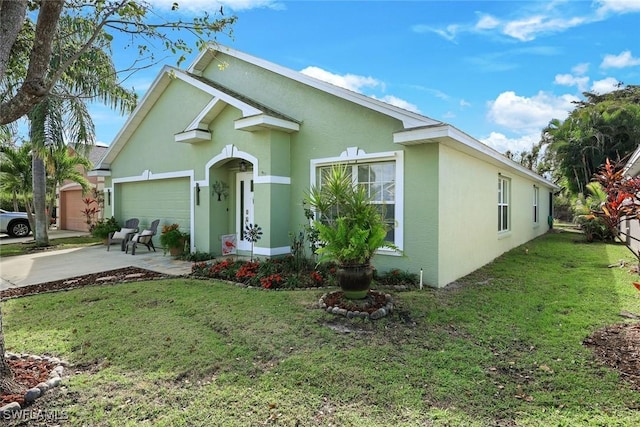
point(13, 249)
point(503, 349)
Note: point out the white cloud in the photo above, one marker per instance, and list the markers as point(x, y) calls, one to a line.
point(528, 28)
point(537, 19)
point(618, 6)
point(464, 103)
point(398, 102)
point(501, 143)
point(348, 81)
point(605, 85)
point(570, 80)
point(522, 115)
point(359, 84)
point(625, 59)
point(487, 22)
point(581, 69)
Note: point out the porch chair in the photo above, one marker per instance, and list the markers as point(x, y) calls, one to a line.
point(145, 237)
point(124, 235)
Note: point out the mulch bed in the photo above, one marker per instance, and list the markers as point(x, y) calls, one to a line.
point(120, 275)
point(28, 373)
point(618, 346)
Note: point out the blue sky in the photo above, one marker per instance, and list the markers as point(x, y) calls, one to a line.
point(497, 70)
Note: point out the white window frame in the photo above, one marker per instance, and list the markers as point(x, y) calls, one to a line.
point(354, 156)
point(504, 199)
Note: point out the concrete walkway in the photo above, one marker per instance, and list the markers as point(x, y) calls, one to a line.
point(47, 266)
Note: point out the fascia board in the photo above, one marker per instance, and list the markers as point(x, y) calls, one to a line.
point(632, 168)
point(458, 140)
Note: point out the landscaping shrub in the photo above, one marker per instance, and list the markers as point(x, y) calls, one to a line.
point(282, 273)
point(197, 256)
point(396, 278)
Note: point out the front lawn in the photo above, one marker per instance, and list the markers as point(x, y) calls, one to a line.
point(501, 347)
point(14, 249)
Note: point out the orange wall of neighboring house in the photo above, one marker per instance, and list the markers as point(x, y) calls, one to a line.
point(71, 206)
point(70, 203)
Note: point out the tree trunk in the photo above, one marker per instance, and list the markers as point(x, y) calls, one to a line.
point(12, 15)
point(39, 199)
point(35, 86)
point(7, 380)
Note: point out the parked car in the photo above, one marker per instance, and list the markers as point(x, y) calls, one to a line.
point(15, 224)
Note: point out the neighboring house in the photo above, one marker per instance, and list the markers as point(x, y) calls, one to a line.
point(70, 198)
point(630, 228)
point(265, 132)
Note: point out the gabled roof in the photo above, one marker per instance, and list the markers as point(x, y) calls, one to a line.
point(408, 118)
point(255, 115)
point(93, 152)
point(418, 129)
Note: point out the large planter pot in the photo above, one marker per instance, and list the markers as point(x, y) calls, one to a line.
point(177, 250)
point(355, 280)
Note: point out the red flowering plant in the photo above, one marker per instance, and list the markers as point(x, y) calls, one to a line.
point(622, 201)
point(268, 273)
point(247, 272)
point(271, 281)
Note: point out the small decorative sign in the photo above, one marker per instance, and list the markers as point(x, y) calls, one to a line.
point(229, 244)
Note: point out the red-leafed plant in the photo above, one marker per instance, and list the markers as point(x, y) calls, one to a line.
point(90, 212)
point(622, 200)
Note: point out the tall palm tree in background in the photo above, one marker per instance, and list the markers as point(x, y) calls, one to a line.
point(15, 174)
point(62, 116)
point(62, 167)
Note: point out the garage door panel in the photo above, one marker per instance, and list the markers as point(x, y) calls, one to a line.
point(71, 208)
point(167, 200)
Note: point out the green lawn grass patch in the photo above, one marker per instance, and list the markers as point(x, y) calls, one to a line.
point(503, 346)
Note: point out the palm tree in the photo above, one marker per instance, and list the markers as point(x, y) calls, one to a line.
point(63, 115)
point(15, 174)
point(61, 167)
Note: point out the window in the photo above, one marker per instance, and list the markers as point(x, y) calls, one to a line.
point(379, 179)
point(536, 203)
point(503, 204)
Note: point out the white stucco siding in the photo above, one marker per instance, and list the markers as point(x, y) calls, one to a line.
point(468, 211)
point(630, 232)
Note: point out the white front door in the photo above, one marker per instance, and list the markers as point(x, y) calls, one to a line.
point(244, 207)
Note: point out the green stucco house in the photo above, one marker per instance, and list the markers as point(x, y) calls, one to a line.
point(235, 139)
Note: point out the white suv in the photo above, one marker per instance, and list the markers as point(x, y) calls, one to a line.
point(15, 224)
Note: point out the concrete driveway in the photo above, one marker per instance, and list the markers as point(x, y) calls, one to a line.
point(53, 265)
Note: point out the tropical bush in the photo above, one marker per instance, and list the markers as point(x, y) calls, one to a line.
point(173, 237)
point(281, 273)
point(594, 227)
point(103, 227)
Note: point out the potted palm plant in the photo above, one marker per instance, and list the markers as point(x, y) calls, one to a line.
point(351, 229)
